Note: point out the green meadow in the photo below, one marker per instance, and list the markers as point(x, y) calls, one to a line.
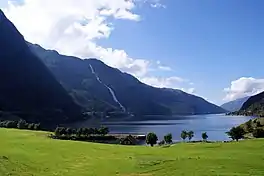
point(30, 153)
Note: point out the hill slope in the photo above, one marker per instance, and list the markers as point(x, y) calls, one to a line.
point(35, 154)
point(255, 104)
point(91, 79)
point(234, 105)
point(28, 88)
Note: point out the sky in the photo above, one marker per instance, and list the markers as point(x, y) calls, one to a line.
point(213, 49)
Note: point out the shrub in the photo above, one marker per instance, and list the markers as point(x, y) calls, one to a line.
point(168, 138)
point(258, 133)
point(161, 142)
point(151, 139)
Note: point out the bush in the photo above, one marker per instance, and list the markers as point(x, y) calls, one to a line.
point(161, 142)
point(168, 138)
point(151, 139)
point(258, 133)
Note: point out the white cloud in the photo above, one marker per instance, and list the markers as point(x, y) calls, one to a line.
point(169, 82)
point(165, 68)
point(158, 5)
point(242, 87)
point(72, 27)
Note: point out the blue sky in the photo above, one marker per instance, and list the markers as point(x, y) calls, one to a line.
point(210, 43)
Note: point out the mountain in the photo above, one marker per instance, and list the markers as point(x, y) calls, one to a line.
point(90, 80)
point(234, 105)
point(255, 105)
point(28, 88)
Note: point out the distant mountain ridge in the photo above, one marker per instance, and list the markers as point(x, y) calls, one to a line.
point(235, 105)
point(78, 79)
point(28, 88)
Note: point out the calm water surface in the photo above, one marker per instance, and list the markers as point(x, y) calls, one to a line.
point(214, 125)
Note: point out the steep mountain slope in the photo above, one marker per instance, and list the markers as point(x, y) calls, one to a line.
point(89, 80)
point(234, 105)
point(255, 104)
point(28, 88)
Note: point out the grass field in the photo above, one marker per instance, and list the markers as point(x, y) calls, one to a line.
point(27, 153)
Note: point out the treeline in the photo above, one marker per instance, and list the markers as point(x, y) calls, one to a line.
point(82, 134)
point(21, 124)
point(246, 113)
point(167, 139)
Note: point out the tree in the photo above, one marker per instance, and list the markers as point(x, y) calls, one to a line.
point(236, 133)
point(79, 132)
point(63, 131)
point(151, 139)
point(37, 126)
point(190, 135)
point(31, 126)
point(22, 124)
point(204, 136)
point(57, 131)
point(10, 124)
point(68, 131)
point(168, 138)
point(95, 131)
point(103, 130)
point(258, 133)
point(248, 126)
point(184, 135)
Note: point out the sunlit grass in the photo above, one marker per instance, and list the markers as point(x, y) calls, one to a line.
point(27, 153)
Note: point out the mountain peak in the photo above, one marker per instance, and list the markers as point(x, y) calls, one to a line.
point(2, 15)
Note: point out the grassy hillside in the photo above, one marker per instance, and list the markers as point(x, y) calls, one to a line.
point(27, 153)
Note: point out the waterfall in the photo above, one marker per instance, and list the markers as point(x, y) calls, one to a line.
point(109, 89)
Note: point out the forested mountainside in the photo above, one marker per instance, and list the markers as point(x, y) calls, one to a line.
point(90, 80)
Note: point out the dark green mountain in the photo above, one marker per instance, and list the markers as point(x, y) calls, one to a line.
point(90, 80)
point(255, 105)
point(28, 88)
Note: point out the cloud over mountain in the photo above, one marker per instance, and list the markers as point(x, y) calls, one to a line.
point(243, 87)
point(73, 28)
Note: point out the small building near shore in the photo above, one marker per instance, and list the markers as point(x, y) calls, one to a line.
point(129, 140)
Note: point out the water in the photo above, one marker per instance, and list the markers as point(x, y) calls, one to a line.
point(214, 125)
